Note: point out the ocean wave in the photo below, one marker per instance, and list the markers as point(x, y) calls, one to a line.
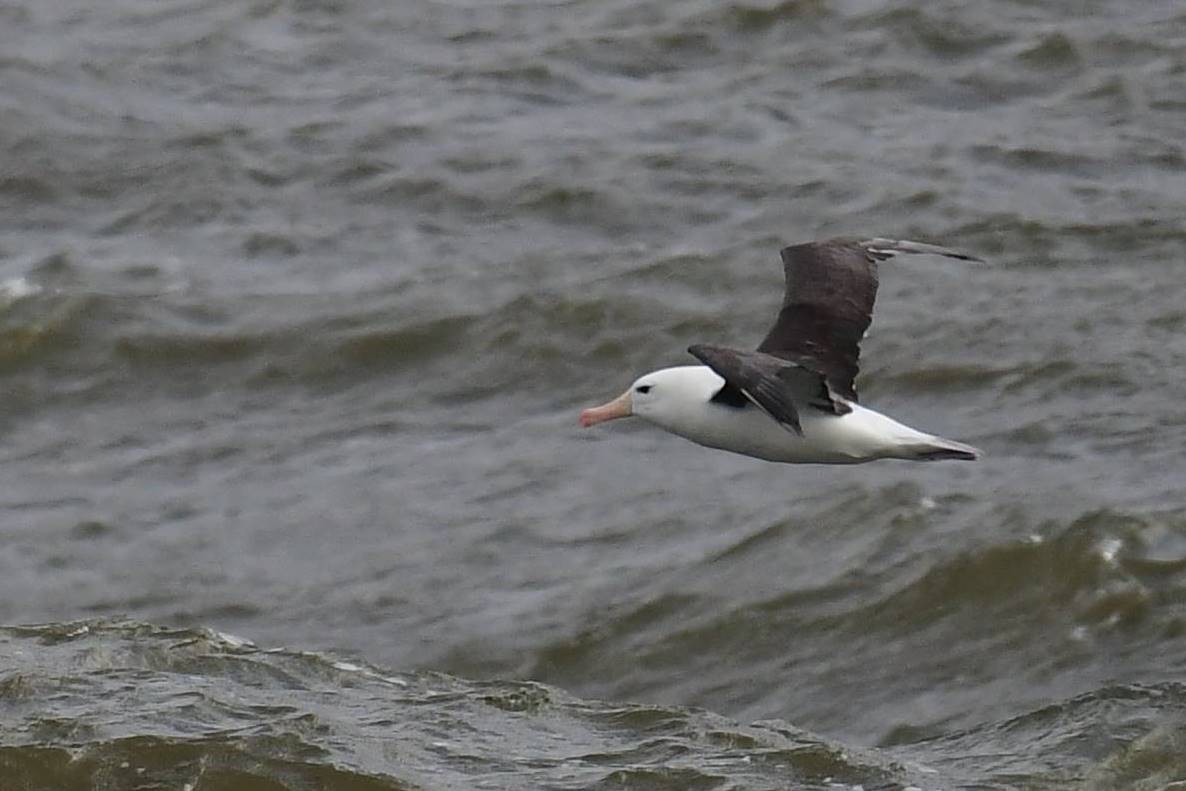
point(890, 588)
point(188, 707)
point(192, 708)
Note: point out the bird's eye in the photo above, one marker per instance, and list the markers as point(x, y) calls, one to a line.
point(644, 389)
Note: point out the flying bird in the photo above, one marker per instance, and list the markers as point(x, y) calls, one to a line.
point(794, 399)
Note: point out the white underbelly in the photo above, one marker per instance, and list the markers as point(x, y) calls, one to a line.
point(858, 436)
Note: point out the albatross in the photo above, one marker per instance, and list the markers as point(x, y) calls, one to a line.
point(793, 399)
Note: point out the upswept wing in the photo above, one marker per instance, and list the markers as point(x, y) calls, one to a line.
point(828, 304)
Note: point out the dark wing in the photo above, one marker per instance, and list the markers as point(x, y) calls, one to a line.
point(828, 305)
point(776, 386)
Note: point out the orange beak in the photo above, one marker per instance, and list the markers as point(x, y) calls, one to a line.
point(619, 407)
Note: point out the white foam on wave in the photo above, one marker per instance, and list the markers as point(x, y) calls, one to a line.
point(1108, 548)
point(15, 288)
point(232, 640)
point(350, 667)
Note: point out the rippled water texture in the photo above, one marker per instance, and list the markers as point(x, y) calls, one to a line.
point(299, 302)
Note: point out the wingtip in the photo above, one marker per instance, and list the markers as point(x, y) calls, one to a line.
point(892, 247)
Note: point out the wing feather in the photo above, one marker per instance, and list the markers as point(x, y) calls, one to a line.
point(828, 304)
point(778, 387)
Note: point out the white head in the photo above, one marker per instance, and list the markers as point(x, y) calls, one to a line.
point(668, 397)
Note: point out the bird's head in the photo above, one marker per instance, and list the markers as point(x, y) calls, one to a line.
point(658, 396)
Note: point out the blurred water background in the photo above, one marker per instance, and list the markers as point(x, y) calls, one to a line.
point(300, 299)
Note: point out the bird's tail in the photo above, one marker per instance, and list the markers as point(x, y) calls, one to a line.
point(939, 449)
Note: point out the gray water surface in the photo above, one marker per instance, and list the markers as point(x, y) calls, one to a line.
point(299, 303)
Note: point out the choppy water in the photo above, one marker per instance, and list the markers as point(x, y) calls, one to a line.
point(299, 302)
point(127, 705)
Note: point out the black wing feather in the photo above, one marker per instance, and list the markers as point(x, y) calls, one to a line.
point(776, 386)
point(810, 357)
point(830, 289)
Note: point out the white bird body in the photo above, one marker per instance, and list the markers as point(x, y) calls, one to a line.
point(794, 399)
point(680, 400)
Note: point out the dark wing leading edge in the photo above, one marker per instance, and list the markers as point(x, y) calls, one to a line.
point(771, 383)
point(828, 304)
